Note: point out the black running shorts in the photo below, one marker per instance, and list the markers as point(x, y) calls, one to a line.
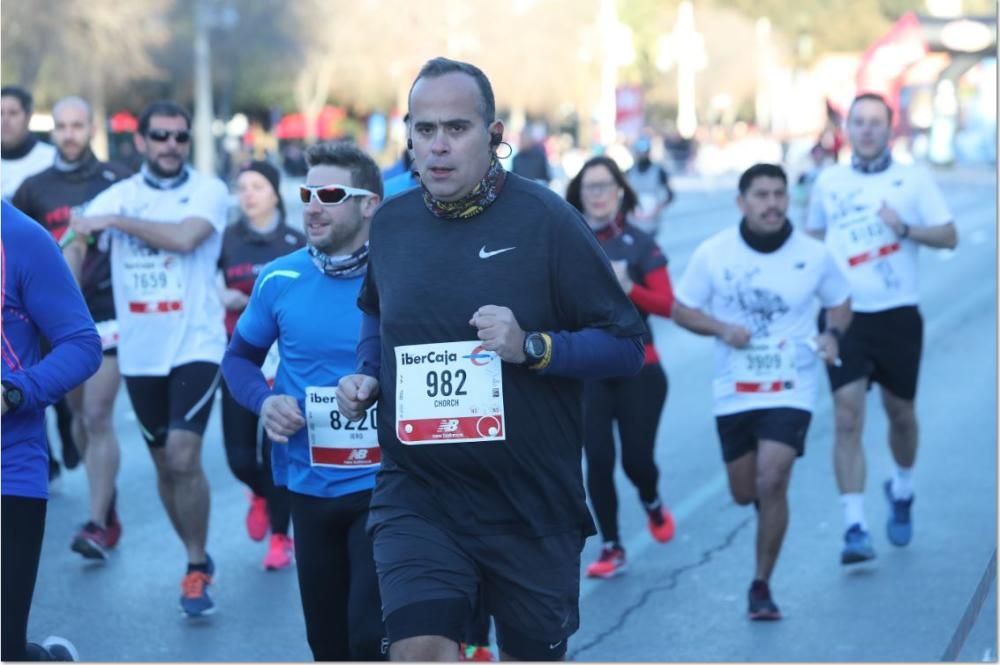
point(740, 432)
point(181, 400)
point(430, 579)
point(883, 347)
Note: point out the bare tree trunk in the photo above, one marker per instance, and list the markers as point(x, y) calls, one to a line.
point(311, 92)
point(99, 106)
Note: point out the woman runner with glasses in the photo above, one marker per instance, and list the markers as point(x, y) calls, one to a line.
point(601, 192)
point(260, 235)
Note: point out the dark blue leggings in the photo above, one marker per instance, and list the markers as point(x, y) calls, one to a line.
point(239, 434)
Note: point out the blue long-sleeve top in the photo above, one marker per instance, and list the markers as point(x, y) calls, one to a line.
point(40, 298)
point(590, 353)
point(241, 369)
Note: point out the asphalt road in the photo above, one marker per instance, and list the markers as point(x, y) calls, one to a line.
point(682, 601)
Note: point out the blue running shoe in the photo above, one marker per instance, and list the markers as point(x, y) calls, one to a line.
point(195, 601)
point(899, 528)
point(857, 546)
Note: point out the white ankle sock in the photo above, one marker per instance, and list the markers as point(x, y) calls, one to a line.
point(854, 510)
point(902, 483)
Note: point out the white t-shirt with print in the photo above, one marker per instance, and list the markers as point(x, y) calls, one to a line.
point(776, 296)
point(168, 308)
point(881, 266)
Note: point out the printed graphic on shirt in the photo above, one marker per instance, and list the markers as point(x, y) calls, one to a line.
point(760, 306)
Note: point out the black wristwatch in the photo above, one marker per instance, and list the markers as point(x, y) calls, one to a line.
point(534, 348)
point(836, 333)
point(537, 351)
point(12, 396)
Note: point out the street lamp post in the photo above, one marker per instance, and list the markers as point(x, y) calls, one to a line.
point(204, 144)
point(206, 18)
point(684, 48)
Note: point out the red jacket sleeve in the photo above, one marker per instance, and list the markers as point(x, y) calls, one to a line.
point(657, 295)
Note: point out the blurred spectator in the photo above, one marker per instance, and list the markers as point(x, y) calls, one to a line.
point(531, 161)
point(680, 149)
point(652, 187)
point(399, 167)
point(293, 158)
point(23, 154)
point(125, 154)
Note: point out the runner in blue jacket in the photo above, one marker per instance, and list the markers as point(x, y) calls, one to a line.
point(40, 298)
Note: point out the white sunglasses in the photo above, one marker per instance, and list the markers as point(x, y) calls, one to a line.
point(330, 195)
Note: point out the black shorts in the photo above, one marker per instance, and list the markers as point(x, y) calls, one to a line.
point(181, 400)
point(740, 432)
point(883, 347)
point(430, 580)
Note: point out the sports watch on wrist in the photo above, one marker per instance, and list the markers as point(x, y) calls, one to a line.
point(12, 396)
point(534, 348)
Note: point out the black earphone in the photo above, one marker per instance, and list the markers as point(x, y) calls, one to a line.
point(409, 144)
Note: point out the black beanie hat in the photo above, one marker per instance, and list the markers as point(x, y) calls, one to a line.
point(272, 175)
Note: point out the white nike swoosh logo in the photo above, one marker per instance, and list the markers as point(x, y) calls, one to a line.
point(553, 646)
point(483, 254)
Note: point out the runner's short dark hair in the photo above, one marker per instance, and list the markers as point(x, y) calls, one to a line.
point(163, 107)
point(22, 95)
point(345, 154)
point(761, 171)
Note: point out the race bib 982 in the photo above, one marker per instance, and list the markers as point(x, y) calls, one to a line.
point(448, 393)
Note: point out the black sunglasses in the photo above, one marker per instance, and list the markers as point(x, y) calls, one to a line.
point(163, 135)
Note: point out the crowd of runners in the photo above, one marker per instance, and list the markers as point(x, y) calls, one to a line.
point(418, 459)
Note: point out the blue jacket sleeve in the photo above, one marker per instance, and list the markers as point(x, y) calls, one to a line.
point(370, 346)
point(241, 371)
point(55, 305)
point(593, 353)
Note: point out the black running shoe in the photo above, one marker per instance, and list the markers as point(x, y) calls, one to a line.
point(761, 607)
point(59, 648)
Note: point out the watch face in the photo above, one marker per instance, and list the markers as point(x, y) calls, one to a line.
point(12, 396)
point(536, 346)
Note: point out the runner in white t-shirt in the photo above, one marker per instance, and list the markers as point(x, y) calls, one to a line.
point(166, 226)
point(874, 214)
point(757, 288)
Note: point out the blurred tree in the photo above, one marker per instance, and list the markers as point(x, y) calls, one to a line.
point(367, 58)
point(85, 47)
point(832, 25)
point(556, 60)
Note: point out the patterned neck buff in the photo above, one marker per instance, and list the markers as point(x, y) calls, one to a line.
point(341, 267)
point(876, 164)
point(482, 195)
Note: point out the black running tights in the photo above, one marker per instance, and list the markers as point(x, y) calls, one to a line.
point(21, 531)
point(635, 403)
point(240, 435)
point(337, 580)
